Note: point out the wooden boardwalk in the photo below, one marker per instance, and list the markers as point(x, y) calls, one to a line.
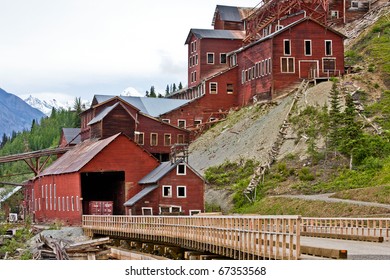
point(237, 237)
point(243, 237)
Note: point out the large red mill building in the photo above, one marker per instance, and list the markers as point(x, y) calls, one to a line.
point(122, 152)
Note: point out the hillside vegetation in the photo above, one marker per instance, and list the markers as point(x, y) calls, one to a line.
point(331, 148)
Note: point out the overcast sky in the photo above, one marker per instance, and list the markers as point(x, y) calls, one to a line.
point(80, 48)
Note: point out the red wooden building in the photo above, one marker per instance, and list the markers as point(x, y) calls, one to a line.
point(107, 170)
point(136, 117)
point(171, 188)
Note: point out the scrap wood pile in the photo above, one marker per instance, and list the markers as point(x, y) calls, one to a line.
point(48, 248)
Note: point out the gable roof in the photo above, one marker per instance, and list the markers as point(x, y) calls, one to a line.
point(151, 106)
point(145, 191)
point(105, 112)
point(215, 34)
point(72, 135)
point(231, 13)
point(75, 159)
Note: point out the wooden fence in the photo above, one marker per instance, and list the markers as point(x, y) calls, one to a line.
point(363, 227)
point(237, 237)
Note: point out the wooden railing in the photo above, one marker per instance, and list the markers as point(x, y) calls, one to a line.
point(237, 237)
point(368, 227)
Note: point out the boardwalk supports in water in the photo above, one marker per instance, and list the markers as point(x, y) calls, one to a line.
point(237, 237)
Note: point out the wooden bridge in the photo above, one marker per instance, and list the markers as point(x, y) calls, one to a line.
point(237, 237)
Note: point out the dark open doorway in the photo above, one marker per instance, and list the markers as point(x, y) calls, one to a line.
point(104, 186)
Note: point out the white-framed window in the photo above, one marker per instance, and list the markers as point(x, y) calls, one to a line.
point(167, 139)
point(153, 139)
point(63, 204)
point(147, 211)
point(287, 64)
point(334, 14)
point(46, 198)
point(140, 136)
point(195, 212)
point(77, 203)
point(181, 191)
point(307, 47)
point(181, 123)
point(59, 203)
point(169, 209)
point(355, 4)
point(166, 191)
point(287, 47)
point(328, 48)
point(55, 196)
point(72, 202)
point(181, 169)
point(43, 193)
point(243, 76)
point(166, 120)
point(39, 204)
point(213, 88)
point(51, 196)
point(328, 64)
point(67, 203)
point(210, 58)
point(233, 60)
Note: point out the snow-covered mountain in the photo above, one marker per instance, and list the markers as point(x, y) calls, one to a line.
point(130, 91)
point(46, 106)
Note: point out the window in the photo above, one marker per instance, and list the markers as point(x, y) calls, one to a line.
point(287, 65)
point(147, 211)
point(229, 89)
point(67, 203)
point(287, 47)
point(308, 47)
point(243, 77)
point(278, 27)
point(180, 139)
point(181, 191)
point(51, 196)
point(72, 202)
point(355, 4)
point(195, 212)
point(175, 209)
point(328, 47)
point(59, 203)
point(153, 139)
point(329, 64)
point(63, 203)
point(196, 59)
point(167, 139)
point(46, 197)
point(55, 196)
point(166, 120)
point(334, 14)
point(197, 123)
point(181, 123)
point(181, 169)
point(210, 58)
point(213, 88)
point(167, 191)
point(223, 58)
point(77, 203)
point(140, 136)
point(233, 60)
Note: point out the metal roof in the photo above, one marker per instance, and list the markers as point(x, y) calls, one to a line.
point(8, 195)
point(151, 106)
point(229, 13)
point(72, 135)
point(78, 157)
point(158, 173)
point(140, 195)
point(103, 114)
point(216, 34)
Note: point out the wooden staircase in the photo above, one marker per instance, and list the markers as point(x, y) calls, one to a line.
point(258, 175)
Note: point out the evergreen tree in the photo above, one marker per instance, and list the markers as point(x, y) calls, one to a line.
point(78, 107)
point(4, 140)
point(174, 87)
point(335, 117)
point(152, 92)
point(167, 90)
point(147, 93)
point(180, 86)
point(351, 134)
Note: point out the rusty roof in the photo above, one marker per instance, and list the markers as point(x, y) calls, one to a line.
point(78, 157)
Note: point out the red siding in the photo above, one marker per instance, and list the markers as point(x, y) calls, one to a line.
point(194, 199)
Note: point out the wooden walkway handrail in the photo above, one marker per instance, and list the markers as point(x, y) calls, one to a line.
point(238, 237)
point(372, 227)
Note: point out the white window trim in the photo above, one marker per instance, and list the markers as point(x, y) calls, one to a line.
point(143, 138)
point(329, 57)
point(216, 87)
point(170, 191)
point(170, 139)
point(185, 192)
point(151, 137)
point(311, 47)
point(166, 120)
point(284, 47)
point(185, 169)
point(220, 58)
point(147, 208)
point(331, 48)
point(281, 66)
point(207, 57)
point(182, 120)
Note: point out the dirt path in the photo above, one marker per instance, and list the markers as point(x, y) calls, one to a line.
point(327, 197)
